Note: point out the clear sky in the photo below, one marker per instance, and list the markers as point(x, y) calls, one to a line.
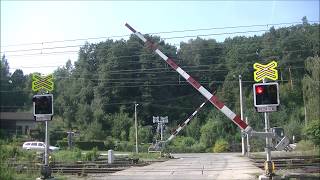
point(42, 22)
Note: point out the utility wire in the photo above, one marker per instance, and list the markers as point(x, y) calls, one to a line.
point(213, 34)
point(45, 48)
point(43, 53)
point(165, 32)
point(178, 59)
point(123, 103)
point(152, 71)
point(177, 37)
point(157, 85)
point(230, 27)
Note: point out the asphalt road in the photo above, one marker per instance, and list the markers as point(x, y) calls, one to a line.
point(191, 166)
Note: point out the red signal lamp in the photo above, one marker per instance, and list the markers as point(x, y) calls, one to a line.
point(259, 89)
point(266, 94)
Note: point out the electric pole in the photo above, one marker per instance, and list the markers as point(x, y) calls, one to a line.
point(248, 142)
point(136, 125)
point(241, 114)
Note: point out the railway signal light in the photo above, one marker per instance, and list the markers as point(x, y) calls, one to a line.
point(266, 94)
point(42, 105)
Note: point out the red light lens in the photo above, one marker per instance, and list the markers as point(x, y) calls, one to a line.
point(259, 89)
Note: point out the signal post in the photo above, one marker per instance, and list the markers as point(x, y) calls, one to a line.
point(266, 99)
point(43, 111)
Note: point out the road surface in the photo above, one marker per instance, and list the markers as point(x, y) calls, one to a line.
point(191, 166)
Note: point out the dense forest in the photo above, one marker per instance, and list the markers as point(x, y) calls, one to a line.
point(96, 94)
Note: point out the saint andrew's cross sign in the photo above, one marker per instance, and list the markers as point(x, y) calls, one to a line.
point(265, 71)
point(42, 82)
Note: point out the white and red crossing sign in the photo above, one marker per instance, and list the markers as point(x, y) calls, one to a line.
point(210, 97)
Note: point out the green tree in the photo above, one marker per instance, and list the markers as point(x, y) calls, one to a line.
point(13, 95)
point(121, 125)
point(193, 129)
point(311, 88)
point(312, 131)
point(145, 134)
point(94, 131)
point(209, 133)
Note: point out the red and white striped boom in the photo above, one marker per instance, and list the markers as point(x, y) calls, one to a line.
point(181, 126)
point(210, 97)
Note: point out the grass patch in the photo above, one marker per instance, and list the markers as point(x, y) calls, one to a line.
point(286, 154)
point(304, 148)
point(307, 146)
point(71, 156)
point(68, 156)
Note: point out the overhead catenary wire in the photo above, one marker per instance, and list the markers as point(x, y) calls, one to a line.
point(68, 46)
point(112, 104)
point(156, 85)
point(141, 82)
point(151, 69)
point(164, 32)
point(133, 62)
point(45, 48)
point(165, 38)
point(136, 55)
point(213, 34)
point(148, 61)
point(139, 55)
point(147, 71)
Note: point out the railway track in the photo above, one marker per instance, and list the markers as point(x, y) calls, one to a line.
point(81, 167)
point(85, 170)
point(94, 167)
point(311, 164)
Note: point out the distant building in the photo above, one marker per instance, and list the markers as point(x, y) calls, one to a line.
point(17, 123)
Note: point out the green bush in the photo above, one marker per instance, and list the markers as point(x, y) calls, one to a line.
point(257, 144)
point(83, 145)
point(68, 156)
point(124, 146)
point(12, 150)
point(143, 147)
point(293, 128)
point(109, 143)
point(88, 145)
point(184, 145)
point(197, 148)
point(92, 155)
point(304, 145)
point(6, 173)
point(62, 144)
point(312, 131)
point(209, 133)
point(220, 145)
point(188, 141)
